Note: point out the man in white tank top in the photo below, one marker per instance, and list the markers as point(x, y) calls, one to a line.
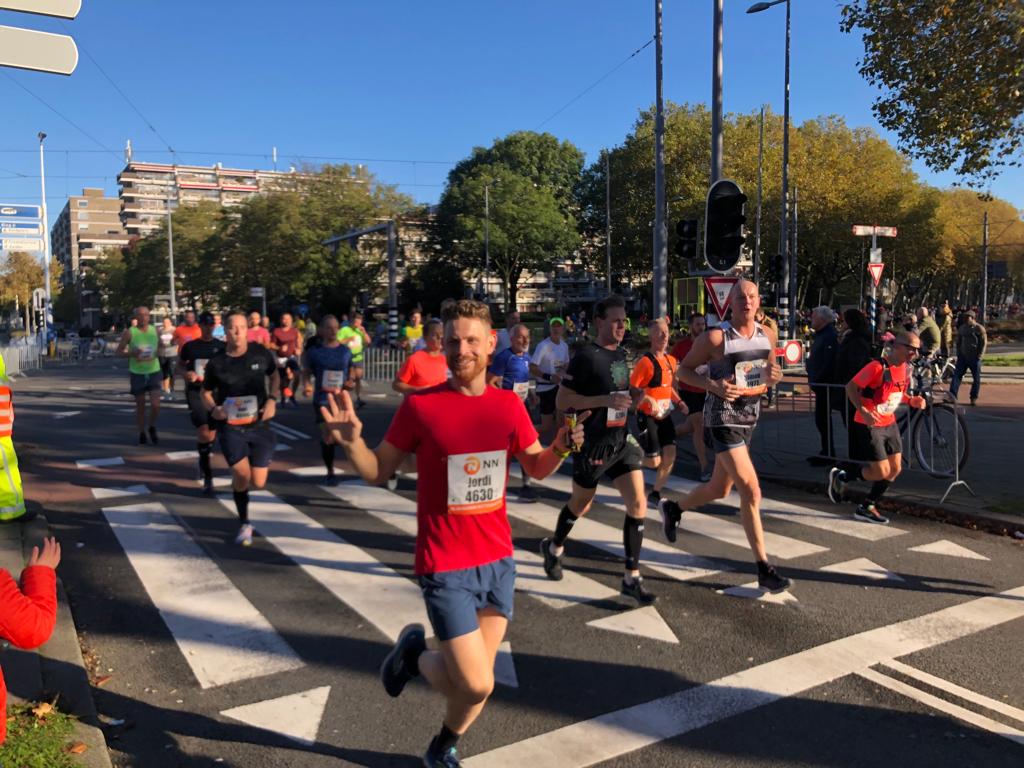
point(740, 361)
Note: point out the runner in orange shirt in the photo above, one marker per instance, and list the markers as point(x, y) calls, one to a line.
point(424, 368)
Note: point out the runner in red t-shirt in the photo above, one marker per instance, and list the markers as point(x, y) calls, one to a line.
point(256, 333)
point(426, 367)
point(187, 331)
point(469, 432)
point(286, 343)
point(693, 397)
point(877, 390)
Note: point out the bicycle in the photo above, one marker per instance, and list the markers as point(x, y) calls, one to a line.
point(935, 433)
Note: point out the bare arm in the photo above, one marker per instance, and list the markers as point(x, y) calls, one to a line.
point(402, 388)
point(853, 395)
point(538, 462)
point(374, 466)
point(122, 345)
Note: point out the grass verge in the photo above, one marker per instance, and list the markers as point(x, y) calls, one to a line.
point(1002, 361)
point(38, 736)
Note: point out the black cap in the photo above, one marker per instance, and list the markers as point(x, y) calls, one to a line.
point(206, 318)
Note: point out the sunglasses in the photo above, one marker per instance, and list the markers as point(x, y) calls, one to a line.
point(911, 347)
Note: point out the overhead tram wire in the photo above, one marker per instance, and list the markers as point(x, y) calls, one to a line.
point(596, 83)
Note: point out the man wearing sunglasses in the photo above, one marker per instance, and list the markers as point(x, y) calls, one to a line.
point(878, 389)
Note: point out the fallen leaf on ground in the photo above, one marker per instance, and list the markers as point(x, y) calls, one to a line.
point(104, 679)
point(78, 748)
point(42, 709)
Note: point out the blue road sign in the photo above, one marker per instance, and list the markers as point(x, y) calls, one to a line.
point(19, 211)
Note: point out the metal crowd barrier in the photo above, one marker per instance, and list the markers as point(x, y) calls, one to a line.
point(382, 363)
point(19, 358)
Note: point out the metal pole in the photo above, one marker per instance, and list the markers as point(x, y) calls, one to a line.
point(757, 223)
point(874, 300)
point(795, 231)
point(608, 216)
point(790, 260)
point(392, 284)
point(264, 300)
point(660, 304)
point(487, 242)
point(170, 266)
point(47, 310)
point(716, 93)
point(984, 270)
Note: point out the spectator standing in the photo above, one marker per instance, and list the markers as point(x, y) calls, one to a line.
point(971, 341)
point(853, 353)
point(820, 375)
point(946, 344)
point(928, 331)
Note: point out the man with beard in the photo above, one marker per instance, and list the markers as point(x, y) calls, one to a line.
point(469, 431)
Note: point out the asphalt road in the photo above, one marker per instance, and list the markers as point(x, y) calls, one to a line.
point(884, 652)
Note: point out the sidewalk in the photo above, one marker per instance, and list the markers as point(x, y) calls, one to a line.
point(56, 668)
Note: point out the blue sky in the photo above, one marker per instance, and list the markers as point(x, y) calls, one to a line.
point(393, 81)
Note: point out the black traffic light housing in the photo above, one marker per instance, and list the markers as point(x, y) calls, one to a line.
point(723, 225)
point(686, 240)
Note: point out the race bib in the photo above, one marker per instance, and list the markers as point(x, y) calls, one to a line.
point(522, 389)
point(332, 381)
point(200, 367)
point(751, 374)
point(241, 410)
point(617, 416)
point(661, 408)
point(146, 353)
point(476, 482)
point(282, 362)
point(890, 405)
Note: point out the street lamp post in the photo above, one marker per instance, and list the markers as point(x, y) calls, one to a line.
point(787, 290)
point(170, 261)
point(47, 310)
point(660, 304)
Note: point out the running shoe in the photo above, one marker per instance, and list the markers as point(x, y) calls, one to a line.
point(331, 481)
point(527, 494)
point(836, 484)
point(142, 438)
point(636, 590)
point(671, 514)
point(394, 670)
point(770, 581)
point(552, 563)
point(705, 476)
point(869, 513)
point(152, 436)
point(244, 536)
point(654, 498)
point(208, 486)
point(392, 482)
point(449, 759)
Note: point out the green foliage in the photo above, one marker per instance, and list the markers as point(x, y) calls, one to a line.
point(36, 742)
point(952, 78)
point(20, 274)
point(430, 283)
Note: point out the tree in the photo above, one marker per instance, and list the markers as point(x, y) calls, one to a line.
point(952, 77)
point(20, 274)
point(430, 283)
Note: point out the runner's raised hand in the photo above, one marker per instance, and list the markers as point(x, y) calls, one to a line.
point(340, 417)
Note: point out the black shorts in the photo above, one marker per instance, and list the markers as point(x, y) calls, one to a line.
point(605, 460)
point(722, 439)
point(253, 443)
point(694, 401)
point(654, 434)
point(547, 401)
point(167, 366)
point(876, 443)
point(196, 410)
point(141, 383)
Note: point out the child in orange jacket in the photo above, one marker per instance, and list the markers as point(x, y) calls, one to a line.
point(27, 615)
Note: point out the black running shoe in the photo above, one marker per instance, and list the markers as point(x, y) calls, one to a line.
point(152, 436)
point(770, 581)
point(836, 484)
point(671, 514)
point(208, 487)
point(527, 494)
point(142, 438)
point(552, 563)
point(394, 670)
point(636, 590)
point(331, 481)
point(653, 498)
point(869, 513)
point(449, 759)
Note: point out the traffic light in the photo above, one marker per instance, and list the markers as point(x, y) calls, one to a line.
point(686, 240)
point(723, 225)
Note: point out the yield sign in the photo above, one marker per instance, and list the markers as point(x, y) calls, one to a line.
point(876, 271)
point(719, 289)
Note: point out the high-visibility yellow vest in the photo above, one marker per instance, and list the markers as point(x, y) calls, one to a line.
point(12, 497)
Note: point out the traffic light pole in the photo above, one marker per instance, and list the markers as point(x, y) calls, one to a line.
point(716, 94)
point(660, 305)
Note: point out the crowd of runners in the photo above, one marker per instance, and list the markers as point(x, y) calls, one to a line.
point(467, 393)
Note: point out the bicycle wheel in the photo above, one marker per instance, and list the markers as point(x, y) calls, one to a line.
point(937, 434)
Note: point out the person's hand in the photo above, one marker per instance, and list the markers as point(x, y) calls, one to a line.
point(774, 373)
point(308, 389)
point(190, 377)
point(218, 413)
point(566, 439)
point(916, 401)
point(49, 556)
point(340, 417)
point(619, 401)
point(556, 378)
point(269, 409)
point(727, 390)
point(870, 417)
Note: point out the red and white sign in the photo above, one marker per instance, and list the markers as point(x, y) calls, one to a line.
point(866, 230)
point(719, 289)
point(876, 272)
point(791, 351)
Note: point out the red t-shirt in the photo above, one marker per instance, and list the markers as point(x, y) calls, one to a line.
point(679, 351)
point(422, 369)
point(886, 396)
point(258, 335)
point(183, 334)
point(461, 524)
point(287, 340)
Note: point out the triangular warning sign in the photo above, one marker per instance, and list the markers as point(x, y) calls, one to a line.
point(876, 272)
point(718, 290)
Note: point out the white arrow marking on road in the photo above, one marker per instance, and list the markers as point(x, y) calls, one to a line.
point(752, 591)
point(608, 736)
point(400, 512)
point(645, 622)
point(220, 633)
point(181, 455)
point(949, 549)
point(113, 493)
point(296, 716)
point(113, 461)
point(65, 414)
point(862, 568)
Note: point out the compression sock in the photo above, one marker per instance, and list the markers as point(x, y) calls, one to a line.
point(204, 460)
point(566, 520)
point(444, 741)
point(242, 505)
point(327, 453)
point(878, 489)
point(632, 540)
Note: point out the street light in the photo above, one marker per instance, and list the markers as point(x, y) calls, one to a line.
point(787, 291)
point(47, 311)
